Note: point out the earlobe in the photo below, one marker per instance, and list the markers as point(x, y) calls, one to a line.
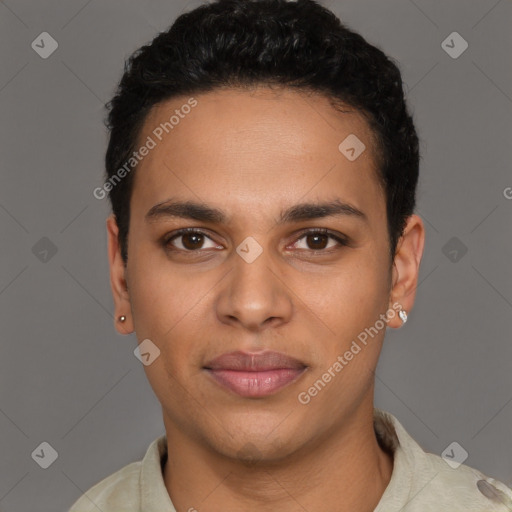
point(123, 325)
point(406, 267)
point(118, 281)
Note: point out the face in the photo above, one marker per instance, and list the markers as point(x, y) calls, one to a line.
point(286, 251)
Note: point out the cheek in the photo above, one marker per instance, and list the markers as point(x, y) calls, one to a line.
point(351, 307)
point(352, 299)
point(170, 307)
point(359, 282)
point(167, 309)
point(161, 296)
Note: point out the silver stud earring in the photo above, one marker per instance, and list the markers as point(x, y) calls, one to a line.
point(122, 318)
point(403, 316)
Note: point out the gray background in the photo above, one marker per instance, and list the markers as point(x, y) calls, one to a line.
point(68, 379)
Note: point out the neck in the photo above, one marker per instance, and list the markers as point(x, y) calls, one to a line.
point(343, 471)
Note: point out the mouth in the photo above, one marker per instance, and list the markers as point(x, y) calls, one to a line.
point(254, 375)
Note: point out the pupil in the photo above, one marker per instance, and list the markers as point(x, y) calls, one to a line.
point(317, 237)
point(194, 244)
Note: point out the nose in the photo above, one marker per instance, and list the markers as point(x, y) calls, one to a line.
point(254, 295)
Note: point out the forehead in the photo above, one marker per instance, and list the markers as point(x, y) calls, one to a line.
point(256, 147)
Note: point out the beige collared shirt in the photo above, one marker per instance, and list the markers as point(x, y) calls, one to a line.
point(420, 482)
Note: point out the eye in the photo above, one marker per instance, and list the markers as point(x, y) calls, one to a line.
point(316, 240)
point(192, 239)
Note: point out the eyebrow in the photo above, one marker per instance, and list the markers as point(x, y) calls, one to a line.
point(299, 212)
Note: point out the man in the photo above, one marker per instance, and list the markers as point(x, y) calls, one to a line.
point(262, 169)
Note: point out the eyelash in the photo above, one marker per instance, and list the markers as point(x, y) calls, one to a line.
point(318, 231)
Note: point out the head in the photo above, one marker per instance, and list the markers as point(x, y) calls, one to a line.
point(263, 122)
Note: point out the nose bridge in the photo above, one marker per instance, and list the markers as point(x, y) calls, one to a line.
point(253, 293)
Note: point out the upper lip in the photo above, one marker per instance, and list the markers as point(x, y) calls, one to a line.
point(254, 361)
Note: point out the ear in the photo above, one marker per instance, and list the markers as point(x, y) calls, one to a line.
point(118, 282)
point(406, 266)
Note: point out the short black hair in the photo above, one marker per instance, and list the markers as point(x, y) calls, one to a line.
point(243, 43)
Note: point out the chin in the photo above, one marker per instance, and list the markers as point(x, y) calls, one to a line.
point(255, 447)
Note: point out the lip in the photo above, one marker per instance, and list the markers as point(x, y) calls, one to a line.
point(254, 375)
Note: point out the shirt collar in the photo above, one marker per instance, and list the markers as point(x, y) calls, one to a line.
point(393, 438)
point(154, 495)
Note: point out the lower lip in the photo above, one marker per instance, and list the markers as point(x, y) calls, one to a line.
point(256, 384)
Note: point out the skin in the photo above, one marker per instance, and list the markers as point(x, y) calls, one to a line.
point(253, 153)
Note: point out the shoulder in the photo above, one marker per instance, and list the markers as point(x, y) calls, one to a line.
point(120, 492)
point(467, 489)
point(137, 486)
point(426, 482)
